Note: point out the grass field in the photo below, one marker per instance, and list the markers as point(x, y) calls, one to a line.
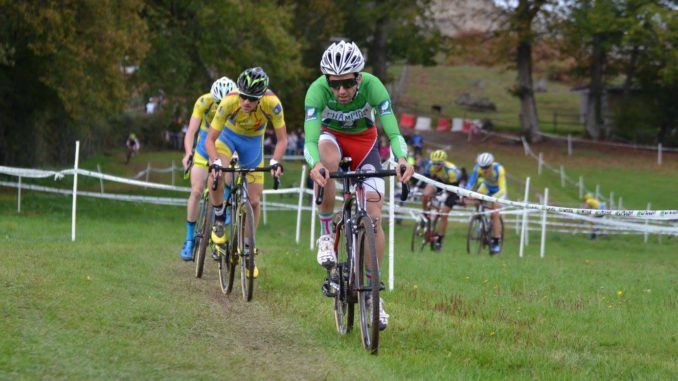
point(119, 304)
point(424, 87)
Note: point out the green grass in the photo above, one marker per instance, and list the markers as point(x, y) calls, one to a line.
point(119, 304)
point(442, 85)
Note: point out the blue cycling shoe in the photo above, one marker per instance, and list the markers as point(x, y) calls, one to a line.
point(187, 251)
point(495, 248)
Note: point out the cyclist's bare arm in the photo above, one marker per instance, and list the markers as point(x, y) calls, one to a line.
point(280, 147)
point(193, 126)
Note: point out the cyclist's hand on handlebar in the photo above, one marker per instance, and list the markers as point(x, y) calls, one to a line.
point(216, 168)
point(409, 171)
point(276, 168)
point(318, 177)
point(185, 160)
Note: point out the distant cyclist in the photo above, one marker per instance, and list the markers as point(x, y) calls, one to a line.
point(591, 202)
point(203, 111)
point(340, 121)
point(441, 170)
point(132, 144)
point(238, 127)
point(493, 184)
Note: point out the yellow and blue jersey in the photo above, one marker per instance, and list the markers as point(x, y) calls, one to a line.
point(205, 108)
point(447, 173)
point(592, 203)
point(493, 180)
point(229, 115)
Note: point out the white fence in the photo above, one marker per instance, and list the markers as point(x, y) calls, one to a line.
point(527, 216)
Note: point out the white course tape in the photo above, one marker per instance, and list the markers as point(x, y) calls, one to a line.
point(643, 214)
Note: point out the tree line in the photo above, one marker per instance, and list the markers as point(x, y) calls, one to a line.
point(82, 70)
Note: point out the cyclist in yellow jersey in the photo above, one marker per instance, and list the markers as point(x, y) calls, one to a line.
point(591, 202)
point(203, 112)
point(441, 170)
point(493, 184)
point(238, 127)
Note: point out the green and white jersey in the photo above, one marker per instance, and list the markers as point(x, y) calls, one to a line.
point(323, 109)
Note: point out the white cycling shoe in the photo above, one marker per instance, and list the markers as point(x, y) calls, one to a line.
point(326, 257)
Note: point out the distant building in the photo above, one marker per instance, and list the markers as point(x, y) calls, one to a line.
point(454, 17)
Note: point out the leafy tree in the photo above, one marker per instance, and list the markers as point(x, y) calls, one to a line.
point(61, 73)
point(194, 43)
point(518, 31)
point(392, 29)
point(633, 38)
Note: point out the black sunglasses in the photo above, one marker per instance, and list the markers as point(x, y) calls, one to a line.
point(248, 98)
point(486, 167)
point(345, 83)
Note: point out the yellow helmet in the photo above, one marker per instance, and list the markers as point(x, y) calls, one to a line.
point(588, 196)
point(438, 155)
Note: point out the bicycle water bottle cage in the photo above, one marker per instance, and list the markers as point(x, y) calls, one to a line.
point(345, 163)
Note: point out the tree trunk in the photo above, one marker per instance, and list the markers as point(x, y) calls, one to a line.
point(378, 51)
point(594, 111)
point(528, 107)
point(631, 71)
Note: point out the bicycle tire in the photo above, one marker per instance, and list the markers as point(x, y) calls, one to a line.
point(227, 262)
point(232, 256)
point(434, 230)
point(246, 249)
point(199, 223)
point(369, 320)
point(344, 308)
point(202, 238)
point(476, 233)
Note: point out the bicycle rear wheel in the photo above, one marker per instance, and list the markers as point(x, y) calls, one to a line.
point(246, 249)
point(475, 237)
point(343, 306)
point(368, 288)
point(202, 236)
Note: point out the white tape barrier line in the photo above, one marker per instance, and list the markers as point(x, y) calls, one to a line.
point(459, 217)
point(36, 173)
point(568, 180)
point(30, 173)
point(180, 168)
point(659, 215)
point(611, 144)
point(644, 214)
point(109, 196)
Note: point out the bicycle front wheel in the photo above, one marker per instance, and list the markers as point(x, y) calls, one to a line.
point(246, 249)
point(368, 288)
point(343, 306)
point(202, 236)
point(476, 235)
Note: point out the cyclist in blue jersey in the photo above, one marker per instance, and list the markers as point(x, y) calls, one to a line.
point(493, 184)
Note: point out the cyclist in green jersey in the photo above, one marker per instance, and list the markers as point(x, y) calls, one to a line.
point(340, 122)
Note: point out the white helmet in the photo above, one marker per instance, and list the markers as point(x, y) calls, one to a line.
point(342, 58)
point(485, 159)
point(221, 87)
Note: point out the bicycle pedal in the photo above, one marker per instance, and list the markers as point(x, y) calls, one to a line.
point(329, 289)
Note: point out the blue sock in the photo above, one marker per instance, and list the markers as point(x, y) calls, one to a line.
point(190, 230)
